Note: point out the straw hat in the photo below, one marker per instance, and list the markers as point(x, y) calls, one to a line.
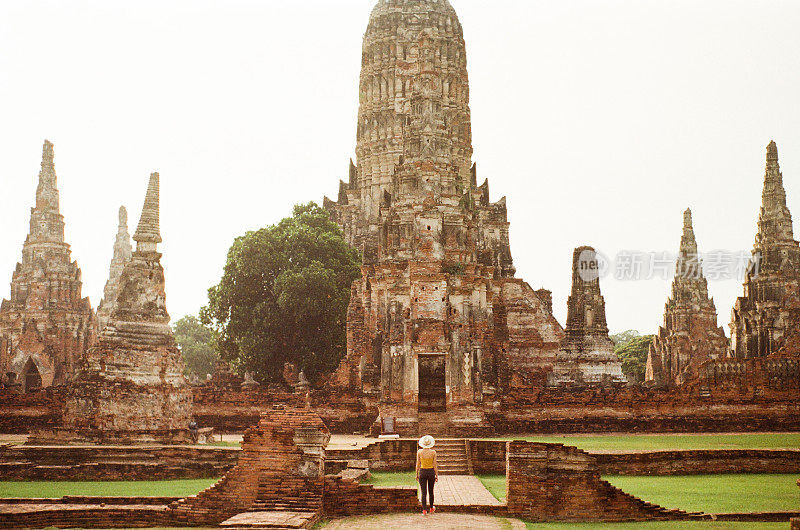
point(427, 441)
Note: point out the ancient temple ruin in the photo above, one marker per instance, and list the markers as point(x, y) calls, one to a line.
point(122, 255)
point(588, 352)
point(437, 320)
point(132, 387)
point(768, 314)
point(690, 335)
point(46, 326)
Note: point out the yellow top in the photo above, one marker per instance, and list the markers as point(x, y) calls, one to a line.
point(426, 459)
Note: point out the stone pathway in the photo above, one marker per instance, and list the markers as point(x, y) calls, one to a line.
point(462, 490)
point(273, 519)
point(436, 521)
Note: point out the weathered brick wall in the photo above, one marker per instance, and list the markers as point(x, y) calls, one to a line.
point(86, 516)
point(23, 413)
point(344, 498)
point(273, 470)
point(700, 462)
point(489, 456)
point(600, 409)
point(551, 482)
point(114, 463)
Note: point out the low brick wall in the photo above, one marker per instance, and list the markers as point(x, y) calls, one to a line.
point(700, 462)
point(572, 410)
point(552, 482)
point(384, 455)
point(345, 498)
point(489, 457)
point(89, 499)
point(84, 516)
point(23, 462)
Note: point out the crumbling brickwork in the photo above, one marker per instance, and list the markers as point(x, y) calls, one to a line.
point(690, 335)
point(132, 387)
point(588, 353)
point(122, 255)
point(281, 466)
point(765, 318)
point(552, 482)
point(47, 326)
point(437, 320)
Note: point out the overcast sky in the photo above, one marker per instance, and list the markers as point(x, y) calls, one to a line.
point(600, 121)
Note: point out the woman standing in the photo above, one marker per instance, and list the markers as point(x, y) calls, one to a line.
point(427, 471)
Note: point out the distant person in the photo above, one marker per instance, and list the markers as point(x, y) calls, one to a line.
point(194, 430)
point(427, 471)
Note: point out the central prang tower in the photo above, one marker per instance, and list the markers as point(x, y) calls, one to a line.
point(437, 323)
point(414, 142)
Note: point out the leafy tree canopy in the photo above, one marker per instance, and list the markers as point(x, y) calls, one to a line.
point(196, 342)
point(283, 296)
point(632, 349)
point(624, 336)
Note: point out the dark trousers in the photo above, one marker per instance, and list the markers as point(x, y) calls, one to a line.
point(427, 478)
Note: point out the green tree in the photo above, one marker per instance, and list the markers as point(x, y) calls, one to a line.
point(624, 336)
point(283, 296)
point(632, 349)
point(196, 342)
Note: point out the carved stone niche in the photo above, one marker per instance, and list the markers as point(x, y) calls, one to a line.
point(312, 442)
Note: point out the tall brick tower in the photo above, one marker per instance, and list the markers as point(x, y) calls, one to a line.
point(769, 311)
point(690, 335)
point(437, 320)
point(46, 326)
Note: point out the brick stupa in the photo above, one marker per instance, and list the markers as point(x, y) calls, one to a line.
point(587, 356)
point(132, 387)
point(766, 318)
point(47, 325)
point(690, 335)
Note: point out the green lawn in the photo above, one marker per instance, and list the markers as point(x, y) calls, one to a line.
point(388, 478)
point(692, 493)
point(143, 488)
point(645, 442)
point(716, 493)
point(496, 484)
point(660, 525)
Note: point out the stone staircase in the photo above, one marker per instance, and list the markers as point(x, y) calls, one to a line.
point(452, 457)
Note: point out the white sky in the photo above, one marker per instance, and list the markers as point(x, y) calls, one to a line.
point(600, 121)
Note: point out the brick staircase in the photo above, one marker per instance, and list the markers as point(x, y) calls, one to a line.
point(452, 457)
point(433, 423)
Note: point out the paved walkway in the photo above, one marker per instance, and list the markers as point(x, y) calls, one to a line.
point(436, 521)
point(462, 490)
point(275, 519)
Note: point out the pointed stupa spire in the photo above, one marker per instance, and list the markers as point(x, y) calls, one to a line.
point(122, 255)
point(688, 241)
point(689, 278)
point(122, 246)
point(774, 219)
point(148, 233)
point(47, 191)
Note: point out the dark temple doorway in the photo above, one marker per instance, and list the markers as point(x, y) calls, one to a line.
point(432, 392)
point(31, 377)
